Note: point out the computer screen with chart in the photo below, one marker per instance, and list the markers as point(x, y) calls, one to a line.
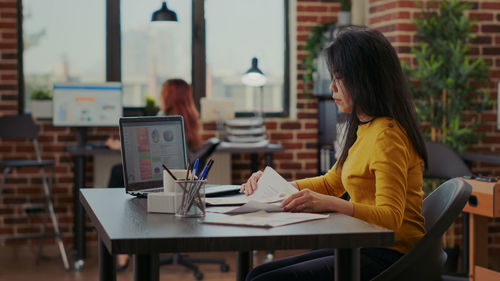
point(87, 105)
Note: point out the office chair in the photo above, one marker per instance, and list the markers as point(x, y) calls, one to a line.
point(426, 260)
point(23, 127)
point(203, 154)
point(444, 162)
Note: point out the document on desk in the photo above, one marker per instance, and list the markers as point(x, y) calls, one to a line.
point(250, 206)
point(265, 219)
point(272, 187)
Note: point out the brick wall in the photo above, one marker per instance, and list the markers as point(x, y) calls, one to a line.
point(24, 186)
point(393, 18)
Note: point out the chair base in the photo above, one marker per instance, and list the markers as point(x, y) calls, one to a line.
point(184, 260)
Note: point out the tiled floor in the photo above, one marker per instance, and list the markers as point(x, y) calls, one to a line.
point(17, 263)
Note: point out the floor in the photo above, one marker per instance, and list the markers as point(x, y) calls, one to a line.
point(18, 263)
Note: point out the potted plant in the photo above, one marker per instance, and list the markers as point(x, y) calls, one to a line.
point(41, 103)
point(344, 16)
point(151, 109)
point(447, 85)
point(318, 37)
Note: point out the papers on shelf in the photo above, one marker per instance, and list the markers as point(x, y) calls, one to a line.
point(246, 138)
point(261, 143)
point(244, 122)
point(247, 131)
point(265, 219)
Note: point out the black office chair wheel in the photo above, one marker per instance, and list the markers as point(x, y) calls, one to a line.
point(198, 275)
point(224, 267)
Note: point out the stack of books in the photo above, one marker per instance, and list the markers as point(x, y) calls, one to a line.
point(245, 132)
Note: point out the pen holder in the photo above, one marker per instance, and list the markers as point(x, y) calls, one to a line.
point(189, 200)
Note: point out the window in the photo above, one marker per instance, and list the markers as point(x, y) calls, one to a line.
point(64, 41)
point(153, 52)
point(70, 45)
point(237, 31)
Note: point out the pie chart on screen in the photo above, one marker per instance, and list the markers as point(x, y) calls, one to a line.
point(168, 135)
point(155, 136)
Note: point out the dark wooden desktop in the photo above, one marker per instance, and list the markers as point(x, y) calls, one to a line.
point(80, 154)
point(125, 227)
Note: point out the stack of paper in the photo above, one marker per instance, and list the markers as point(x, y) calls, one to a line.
point(265, 219)
point(262, 208)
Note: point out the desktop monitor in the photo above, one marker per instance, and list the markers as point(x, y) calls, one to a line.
point(87, 105)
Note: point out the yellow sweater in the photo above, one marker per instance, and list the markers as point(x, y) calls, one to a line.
point(383, 176)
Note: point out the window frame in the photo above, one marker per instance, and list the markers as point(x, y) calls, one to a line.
point(198, 61)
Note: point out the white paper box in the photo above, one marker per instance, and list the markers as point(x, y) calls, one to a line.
point(161, 202)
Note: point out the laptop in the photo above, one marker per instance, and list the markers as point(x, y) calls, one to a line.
point(149, 142)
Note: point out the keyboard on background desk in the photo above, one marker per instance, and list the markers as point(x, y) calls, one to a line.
point(97, 146)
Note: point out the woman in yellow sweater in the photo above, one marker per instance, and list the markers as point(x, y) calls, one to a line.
point(380, 165)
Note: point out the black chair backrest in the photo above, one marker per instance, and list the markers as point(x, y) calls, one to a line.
point(18, 126)
point(204, 152)
point(426, 260)
point(443, 162)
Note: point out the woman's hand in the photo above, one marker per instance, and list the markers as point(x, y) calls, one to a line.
point(113, 143)
point(307, 200)
point(251, 185)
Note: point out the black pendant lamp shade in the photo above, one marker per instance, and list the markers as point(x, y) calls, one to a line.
point(164, 14)
point(254, 76)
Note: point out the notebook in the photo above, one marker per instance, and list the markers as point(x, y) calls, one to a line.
point(149, 142)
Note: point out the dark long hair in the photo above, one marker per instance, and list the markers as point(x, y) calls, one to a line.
point(367, 64)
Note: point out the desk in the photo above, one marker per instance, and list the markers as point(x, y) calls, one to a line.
point(223, 153)
point(79, 155)
point(484, 203)
point(475, 220)
point(125, 227)
point(268, 151)
point(493, 157)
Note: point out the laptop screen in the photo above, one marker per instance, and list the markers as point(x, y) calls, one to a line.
point(147, 143)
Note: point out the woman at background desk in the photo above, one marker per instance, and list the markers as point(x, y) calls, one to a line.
point(177, 99)
point(380, 165)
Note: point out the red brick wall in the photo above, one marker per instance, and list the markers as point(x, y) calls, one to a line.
point(297, 136)
point(8, 56)
point(395, 20)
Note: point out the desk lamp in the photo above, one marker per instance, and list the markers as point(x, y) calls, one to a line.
point(164, 14)
point(255, 77)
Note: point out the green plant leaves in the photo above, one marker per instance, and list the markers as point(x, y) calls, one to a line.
point(314, 45)
point(41, 94)
point(447, 84)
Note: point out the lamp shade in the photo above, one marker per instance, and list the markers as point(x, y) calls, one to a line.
point(164, 14)
point(254, 76)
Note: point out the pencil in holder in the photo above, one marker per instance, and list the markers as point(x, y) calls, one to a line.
point(189, 200)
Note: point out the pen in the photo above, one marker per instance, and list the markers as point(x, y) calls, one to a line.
point(206, 169)
point(166, 169)
point(195, 168)
point(187, 173)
